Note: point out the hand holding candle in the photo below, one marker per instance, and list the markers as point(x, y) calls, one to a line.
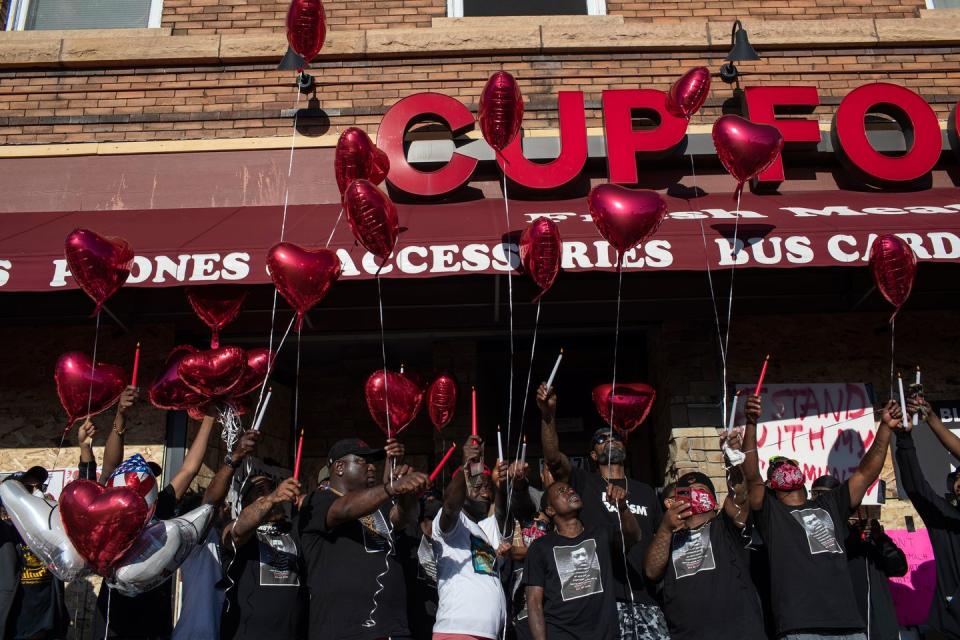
point(553, 374)
point(443, 461)
point(136, 367)
point(916, 416)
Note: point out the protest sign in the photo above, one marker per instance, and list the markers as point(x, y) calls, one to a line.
point(913, 593)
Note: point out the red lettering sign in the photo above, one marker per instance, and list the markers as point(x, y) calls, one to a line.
point(573, 150)
point(761, 105)
point(394, 127)
point(623, 142)
point(915, 118)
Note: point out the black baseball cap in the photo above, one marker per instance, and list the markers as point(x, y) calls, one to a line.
point(695, 477)
point(825, 483)
point(354, 447)
point(36, 474)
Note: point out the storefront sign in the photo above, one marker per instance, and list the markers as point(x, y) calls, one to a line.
point(179, 246)
point(826, 428)
point(916, 119)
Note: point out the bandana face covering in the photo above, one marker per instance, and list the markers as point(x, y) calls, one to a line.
point(786, 477)
point(701, 501)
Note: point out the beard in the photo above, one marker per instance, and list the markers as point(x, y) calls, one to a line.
point(612, 455)
point(476, 509)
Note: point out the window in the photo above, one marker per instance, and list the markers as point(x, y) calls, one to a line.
point(472, 8)
point(83, 14)
point(943, 4)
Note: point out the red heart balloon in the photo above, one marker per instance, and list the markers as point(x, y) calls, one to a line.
point(356, 158)
point(689, 92)
point(168, 391)
point(217, 306)
point(99, 265)
point(215, 372)
point(630, 404)
point(372, 216)
point(101, 523)
point(258, 365)
point(442, 401)
point(303, 277)
point(894, 267)
point(625, 217)
point(306, 28)
point(745, 148)
point(404, 397)
point(80, 384)
point(381, 166)
point(540, 253)
point(501, 110)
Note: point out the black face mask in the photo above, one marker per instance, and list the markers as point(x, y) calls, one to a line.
point(476, 509)
point(614, 455)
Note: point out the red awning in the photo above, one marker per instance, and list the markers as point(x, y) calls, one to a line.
point(177, 246)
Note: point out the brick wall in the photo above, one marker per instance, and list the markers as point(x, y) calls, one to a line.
point(196, 17)
point(239, 101)
point(657, 11)
point(261, 16)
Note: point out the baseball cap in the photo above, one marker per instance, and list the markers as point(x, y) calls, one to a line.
point(695, 477)
point(826, 483)
point(354, 447)
point(37, 474)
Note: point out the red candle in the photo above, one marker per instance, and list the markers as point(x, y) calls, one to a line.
point(443, 461)
point(473, 426)
point(763, 374)
point(136, 366)
point(296, 463)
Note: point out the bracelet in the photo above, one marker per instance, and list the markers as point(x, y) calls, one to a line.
point(230, 462)
point(118, 430)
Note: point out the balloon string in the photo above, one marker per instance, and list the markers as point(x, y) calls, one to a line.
point(106, 630)
point(523, 415)
point(296, 389)
point(386, 386)
point(506, 209)
point(93, 363)
point(706, 260)
point(334, 230)
point(893, 338)
point(726, 341)
point(616, 349)
point(271, 363)
point(371, 620)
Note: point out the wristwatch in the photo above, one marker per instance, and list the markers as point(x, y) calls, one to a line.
point(229, 461)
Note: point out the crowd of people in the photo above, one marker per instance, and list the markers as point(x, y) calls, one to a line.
point(375, 551)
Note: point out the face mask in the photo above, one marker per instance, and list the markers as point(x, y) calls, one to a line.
point(701, 501)
point(786, 477)
point(476, 509)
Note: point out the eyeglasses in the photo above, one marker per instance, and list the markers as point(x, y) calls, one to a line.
point(604, 437)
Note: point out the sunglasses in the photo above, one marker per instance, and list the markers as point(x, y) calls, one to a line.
point(603, 438)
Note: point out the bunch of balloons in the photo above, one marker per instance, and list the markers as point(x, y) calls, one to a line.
point(105, 530)
point(403, 395)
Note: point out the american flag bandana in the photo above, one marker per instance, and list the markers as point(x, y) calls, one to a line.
point(135, 474)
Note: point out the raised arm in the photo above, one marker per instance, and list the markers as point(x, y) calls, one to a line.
point(113, 451)
point(88, 462)
point(220, 485)
point(935, 511)
point(557, 462)
point(872, 462)
point(658, 551)
point(736, 504)
point(194, 458)
point(946, 437)
point(240, 530)
point(357, 504)
point(751, 465)
point(456, 491)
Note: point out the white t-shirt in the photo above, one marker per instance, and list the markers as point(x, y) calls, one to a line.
point(471, 598)
point(202, 601)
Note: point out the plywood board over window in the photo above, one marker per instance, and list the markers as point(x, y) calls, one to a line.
point(482, 8)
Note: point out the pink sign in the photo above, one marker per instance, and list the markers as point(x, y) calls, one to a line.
point(913, 593)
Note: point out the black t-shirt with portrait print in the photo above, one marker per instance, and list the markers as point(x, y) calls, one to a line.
point(266, 597)
point(810, 581)
point(344, 565)
point(38, 609)
point(575, 573)
point(596, 512)
point(707, 590)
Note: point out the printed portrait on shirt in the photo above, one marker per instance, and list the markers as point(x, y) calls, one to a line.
point(820, 530)
point(278, 560)
point(483, 555)
point(693, 552)
point(376, 534)
point(579, 570)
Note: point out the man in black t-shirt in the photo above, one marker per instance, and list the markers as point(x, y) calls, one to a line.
point(811, 591)
point(701, 557)
point(640, 617)
point(265, 597)
point(568, 571)
point(357, 586)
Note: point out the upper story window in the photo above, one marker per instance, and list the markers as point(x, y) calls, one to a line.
point(472, 8)
point(83, 14)
point(943, 4)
